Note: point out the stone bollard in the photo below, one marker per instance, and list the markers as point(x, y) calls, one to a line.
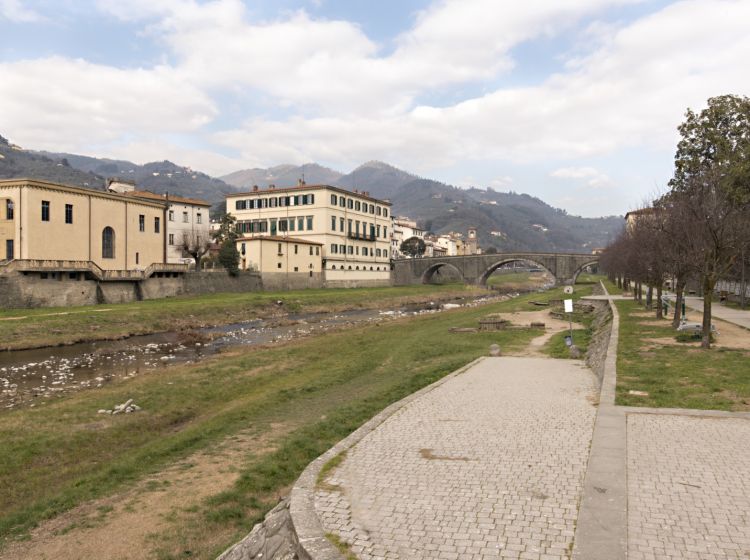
point(494, 350)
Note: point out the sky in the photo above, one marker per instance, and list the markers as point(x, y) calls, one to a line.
point(574, 101)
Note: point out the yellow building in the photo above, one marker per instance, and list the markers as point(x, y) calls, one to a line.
point(352, 228)
point(284, 262)
point(44, 221)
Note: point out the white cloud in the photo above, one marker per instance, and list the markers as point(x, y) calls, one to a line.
point(15, 11)
point(591, 176)
point(62, 104)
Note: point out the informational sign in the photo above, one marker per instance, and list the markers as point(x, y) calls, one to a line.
point(568, 305)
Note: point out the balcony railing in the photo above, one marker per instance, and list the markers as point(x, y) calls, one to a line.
point(361, 236)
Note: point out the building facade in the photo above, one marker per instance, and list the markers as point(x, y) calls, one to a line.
point(283, 262)
point(46, 221)
point(352, 228)
point(187, 222)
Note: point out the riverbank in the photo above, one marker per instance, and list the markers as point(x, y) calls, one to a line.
point(41, 328)
point(215, 445)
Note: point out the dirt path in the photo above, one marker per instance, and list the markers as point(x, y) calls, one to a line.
point(139, 522)
point(552, 326)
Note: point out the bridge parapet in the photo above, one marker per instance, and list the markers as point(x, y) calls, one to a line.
point(475, 269)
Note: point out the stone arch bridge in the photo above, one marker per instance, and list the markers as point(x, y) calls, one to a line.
point(475, 269)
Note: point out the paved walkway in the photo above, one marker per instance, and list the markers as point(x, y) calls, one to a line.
point(495, 463)
point(488, 465)
point(730, 314)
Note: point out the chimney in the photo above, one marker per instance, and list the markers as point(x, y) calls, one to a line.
point(366, 193)
point(271, 187)
point(356, 191)
point(301, 182)
point(255, 188)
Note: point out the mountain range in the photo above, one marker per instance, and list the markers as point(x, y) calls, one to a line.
point(505, 220)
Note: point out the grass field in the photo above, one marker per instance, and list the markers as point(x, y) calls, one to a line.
point(33, 328)
point(676, 376)
point(57, 456)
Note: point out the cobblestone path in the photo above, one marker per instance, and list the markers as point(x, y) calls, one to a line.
point(487, 465)
point(688, 487)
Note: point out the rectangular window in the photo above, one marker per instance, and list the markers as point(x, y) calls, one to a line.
point(357, 206)
point(372, 208)
point(185, 218)
point(137, 258)
point(364, 251)
point(372, 231)
point(349, 230)
point(379, 211)
point(385, 232)
point(341, 225)
point(350, 204)
point(334, 248)
point(9, 249)
point(68, 213)
point(171, 238)
point(311, 250)
point(333, 223)
point(239, 205)
point(141, 222)
point(356, 227)
point(296, 249)
point(351, 249)
point(282, 225)
point(199, 218)
point(385, 212)
point(309, 223)
point(292, 222)
point(8, 209)
point(311, 199)
point(385, 252)
point(378, 230)
point(317, 251)
point(171, 215)
point(300, 224)
point(342, 249)
point(157, 225)
point(342, 202)
point(45, 210)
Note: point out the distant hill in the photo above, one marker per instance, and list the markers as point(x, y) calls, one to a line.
point(158, 176)
point(505, 220)
point(283, 175)
point(17, 162)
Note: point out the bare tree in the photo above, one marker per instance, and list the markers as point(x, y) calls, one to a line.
point(196, 244)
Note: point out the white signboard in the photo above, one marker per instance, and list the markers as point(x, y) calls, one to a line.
point(568, 305)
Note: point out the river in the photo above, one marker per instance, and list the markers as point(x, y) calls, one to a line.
point(32, 377)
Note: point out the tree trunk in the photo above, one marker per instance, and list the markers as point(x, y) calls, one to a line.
point(639, 288)
point(650, 297)
point(708, 292)
point(680, 292)
point(659, 303)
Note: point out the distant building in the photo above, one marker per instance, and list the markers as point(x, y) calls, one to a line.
point(403, 229)
point(56, 225)
point(632, 217)
point(352, 228)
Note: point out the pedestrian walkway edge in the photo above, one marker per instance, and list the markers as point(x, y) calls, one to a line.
point(313, 544)
point(601, 531)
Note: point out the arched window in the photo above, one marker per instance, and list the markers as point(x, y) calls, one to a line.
point(108, 243)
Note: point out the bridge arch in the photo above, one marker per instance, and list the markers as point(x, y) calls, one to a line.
point(434, 269)
point(482, 280)
point(580, 269)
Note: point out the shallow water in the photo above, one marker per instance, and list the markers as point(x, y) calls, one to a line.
point(31, 377)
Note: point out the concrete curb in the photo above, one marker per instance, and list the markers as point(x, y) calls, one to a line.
point(601, 531)
point(313, 544)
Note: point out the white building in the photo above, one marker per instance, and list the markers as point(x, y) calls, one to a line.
point(403, 229)
point(353, 228)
